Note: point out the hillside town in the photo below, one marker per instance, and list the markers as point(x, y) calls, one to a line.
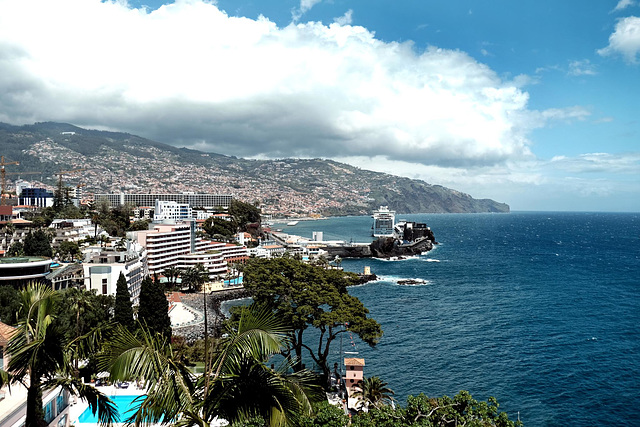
point(157, 171)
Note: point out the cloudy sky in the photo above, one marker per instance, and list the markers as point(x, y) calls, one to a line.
point(534, 103)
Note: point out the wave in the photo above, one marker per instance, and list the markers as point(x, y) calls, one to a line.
point(430, 260)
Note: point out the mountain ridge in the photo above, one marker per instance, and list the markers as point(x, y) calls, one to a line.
point(118, 161)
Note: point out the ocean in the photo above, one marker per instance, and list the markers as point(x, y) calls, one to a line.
point(538, 309)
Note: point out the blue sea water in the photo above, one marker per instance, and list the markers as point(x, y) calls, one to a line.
point(540, 310)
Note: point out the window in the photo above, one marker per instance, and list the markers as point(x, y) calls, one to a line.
point(104, 286)
point(61, 402)
point(48, 412)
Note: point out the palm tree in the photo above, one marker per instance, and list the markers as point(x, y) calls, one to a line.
point(172, 274)
point(240, 386)
point(41, 357)
point(80, 303)
point(195, 277)
point(373, 391)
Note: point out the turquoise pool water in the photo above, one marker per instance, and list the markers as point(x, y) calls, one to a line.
point(124, 405)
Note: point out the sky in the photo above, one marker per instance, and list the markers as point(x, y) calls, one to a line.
point(531, 103)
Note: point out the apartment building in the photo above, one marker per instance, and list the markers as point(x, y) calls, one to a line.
point(102, 270)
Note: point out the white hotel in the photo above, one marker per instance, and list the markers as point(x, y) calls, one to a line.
point(176, 245)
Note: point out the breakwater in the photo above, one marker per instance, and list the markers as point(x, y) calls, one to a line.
point(215, 317)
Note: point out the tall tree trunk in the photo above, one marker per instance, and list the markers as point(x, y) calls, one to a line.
point(206, 348)
point(35, 412)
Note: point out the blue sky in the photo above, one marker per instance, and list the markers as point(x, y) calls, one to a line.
point(532, 103)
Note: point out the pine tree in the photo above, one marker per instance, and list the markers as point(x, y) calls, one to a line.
point(123, 308)
point(154, 308)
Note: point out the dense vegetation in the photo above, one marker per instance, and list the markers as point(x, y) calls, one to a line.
point(56, 329)
point(310, 296)
point(242, 217)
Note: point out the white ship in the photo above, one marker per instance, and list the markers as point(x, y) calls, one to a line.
point(292, 223)
point(383, 222)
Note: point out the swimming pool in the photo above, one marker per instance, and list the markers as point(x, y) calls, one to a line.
point(124, 405)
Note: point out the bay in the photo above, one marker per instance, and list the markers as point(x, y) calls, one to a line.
point(538, 309)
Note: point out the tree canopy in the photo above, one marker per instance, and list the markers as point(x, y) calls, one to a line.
point(236, 386)
point(80, 311)
point(9, 304)
point(220, 227)
point(154, 308)
point(123, 307)
point(423, 411)
point(372, 391)
point(243, 213)
point(310, 296)
point(41, 357)
point(37, 243)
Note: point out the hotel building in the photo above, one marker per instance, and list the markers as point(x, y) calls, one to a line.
point(205, 200)
point(176, 245)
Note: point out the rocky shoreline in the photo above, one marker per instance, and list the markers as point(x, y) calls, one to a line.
point(384, 247)
point(215, 317)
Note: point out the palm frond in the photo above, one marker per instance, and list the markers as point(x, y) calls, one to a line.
point(98, 401)
point(149, 356)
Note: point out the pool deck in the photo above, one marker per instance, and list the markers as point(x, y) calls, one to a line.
point(78, 408)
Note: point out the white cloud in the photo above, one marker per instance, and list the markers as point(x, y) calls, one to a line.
point(623, 4)
point(305, 6)
point(190, 75)
point(581, 68)
point(625, 40)
point(345, 19)
point(594, 181)
point(628, 163)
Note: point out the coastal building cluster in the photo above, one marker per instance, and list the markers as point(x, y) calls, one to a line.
point(176, 203)
point(280, 187)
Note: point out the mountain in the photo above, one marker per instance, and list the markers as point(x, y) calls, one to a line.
point(115, 161)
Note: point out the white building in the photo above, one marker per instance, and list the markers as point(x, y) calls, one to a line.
point(176, 245)
point(172, 211)
point(102, 270)
point(73, 230)
point(21, 184)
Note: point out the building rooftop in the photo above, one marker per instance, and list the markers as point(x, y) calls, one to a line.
point(22, 259)
point(66, 269)
point(353, 361)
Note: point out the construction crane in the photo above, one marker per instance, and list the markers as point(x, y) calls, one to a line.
point(67, 173)
point(3, 172)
